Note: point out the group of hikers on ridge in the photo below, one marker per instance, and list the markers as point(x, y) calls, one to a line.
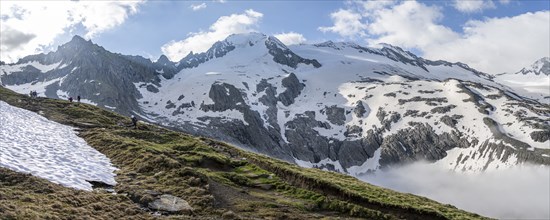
point(33, 94)
point(77, 98)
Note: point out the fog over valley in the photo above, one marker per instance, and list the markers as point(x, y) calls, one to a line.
point(520, 192)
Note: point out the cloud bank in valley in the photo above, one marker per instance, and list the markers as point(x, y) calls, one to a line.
point(518, 193)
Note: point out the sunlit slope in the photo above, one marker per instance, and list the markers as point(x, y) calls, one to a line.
point(214, 178)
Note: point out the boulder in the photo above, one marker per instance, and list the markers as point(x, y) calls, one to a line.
point(170, 203)
point(229, 215)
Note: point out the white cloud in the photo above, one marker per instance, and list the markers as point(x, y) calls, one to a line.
point(346, 23)
point(196, 7)
point(45, 21)
point(516, 193)
point(410, 25)
point(203, 40)
point(377, 4)
point(492, 45)
point(471, 6)
point(497, 45)
point(291, 38)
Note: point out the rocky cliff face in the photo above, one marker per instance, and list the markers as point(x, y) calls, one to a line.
point(337, 106)
point(80, 67)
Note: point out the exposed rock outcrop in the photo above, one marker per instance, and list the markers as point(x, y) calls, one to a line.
point(336, 115)
point(359, 109)
point(540, 136)
point(293, 89)
point(281, 54)
point(418, 142)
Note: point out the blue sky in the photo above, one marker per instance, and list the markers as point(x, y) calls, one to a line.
point(152, 28)
point(161, 21)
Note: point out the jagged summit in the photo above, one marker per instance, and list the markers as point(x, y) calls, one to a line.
point(541, 66)
point(77, 43)
point(398, 50)
point(257, 44)
point(79, 39)
point(245, 39)
point(163, 60)
point(77, 48)
point(531, 81)
point(253, 38)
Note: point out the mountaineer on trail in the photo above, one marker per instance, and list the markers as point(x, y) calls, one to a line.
point(134, 122)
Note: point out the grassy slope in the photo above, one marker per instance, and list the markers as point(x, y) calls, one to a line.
point(213, 177)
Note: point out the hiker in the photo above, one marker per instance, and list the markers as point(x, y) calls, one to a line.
point(32, 94)
point(134, 122)
point(71, 99)
point(78, 98)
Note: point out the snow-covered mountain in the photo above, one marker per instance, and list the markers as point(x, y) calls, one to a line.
point(532, 81)
point(540, 67)
point(339, 106)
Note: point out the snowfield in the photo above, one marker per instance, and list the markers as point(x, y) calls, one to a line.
point(348, 76)
point(533, 86)
point(30, 143)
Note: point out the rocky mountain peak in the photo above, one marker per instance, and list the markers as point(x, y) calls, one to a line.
point(398, 51)
point(163, 60)
point(77, 48)
point(192, 60)
point(341, 45)
point(77, 42)
point(325, 44)
point(273, 40)
point(541, 66)
point(280, 52)
point(246, 39)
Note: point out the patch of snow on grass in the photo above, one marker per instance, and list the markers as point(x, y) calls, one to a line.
point(30, 143)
